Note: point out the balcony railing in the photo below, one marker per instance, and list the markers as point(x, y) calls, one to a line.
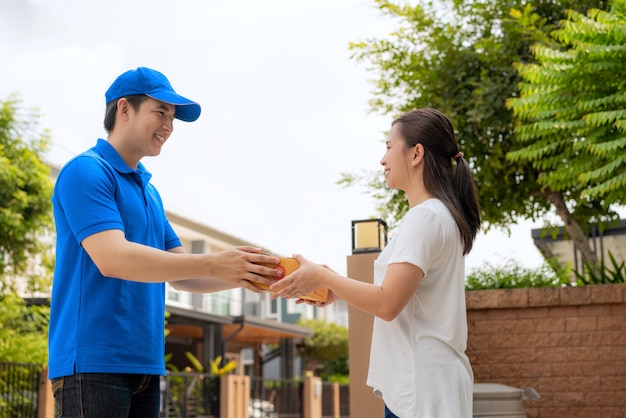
point(186, 395)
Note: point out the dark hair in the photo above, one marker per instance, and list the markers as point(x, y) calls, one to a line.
point(134, 100)
point(453, 185)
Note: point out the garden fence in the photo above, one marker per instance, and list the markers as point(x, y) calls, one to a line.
point(19, 390)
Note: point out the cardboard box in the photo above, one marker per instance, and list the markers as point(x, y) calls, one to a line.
point(288, 265)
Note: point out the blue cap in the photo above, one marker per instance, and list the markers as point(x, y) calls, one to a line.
point(153, 84)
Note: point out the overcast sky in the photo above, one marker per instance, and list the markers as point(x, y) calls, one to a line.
point(284, 109)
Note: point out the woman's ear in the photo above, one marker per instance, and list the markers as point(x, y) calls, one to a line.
point(418, 154)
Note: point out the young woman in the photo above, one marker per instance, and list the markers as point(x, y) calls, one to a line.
point(418, 364)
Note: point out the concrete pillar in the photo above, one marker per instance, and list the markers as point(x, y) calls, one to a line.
point(363, 402)
point(336, 403)
point(234, 396)
point(312, 397)
point(46, 398)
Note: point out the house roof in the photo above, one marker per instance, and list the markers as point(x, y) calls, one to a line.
point(610, 240)
point(243, 330)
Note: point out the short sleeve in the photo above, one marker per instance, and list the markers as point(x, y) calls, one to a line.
point(85, 191)
point(419, 238)
point(171, 239)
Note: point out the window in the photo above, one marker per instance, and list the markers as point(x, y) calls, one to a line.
point(217, 303)
point(272, 307)
point(294, 308)
point(173, 296)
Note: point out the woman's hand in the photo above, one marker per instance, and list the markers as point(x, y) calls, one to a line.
point(331, 298)
point(308, 277)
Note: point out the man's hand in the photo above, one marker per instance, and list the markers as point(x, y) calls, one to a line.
point(302, 281)
point(245, 265)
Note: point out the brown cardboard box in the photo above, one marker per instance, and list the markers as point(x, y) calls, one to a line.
point(288, 265)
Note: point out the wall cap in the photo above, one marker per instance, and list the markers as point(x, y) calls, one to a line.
point(545, 296)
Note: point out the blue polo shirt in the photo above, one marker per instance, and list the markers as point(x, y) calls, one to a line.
point(103, 324)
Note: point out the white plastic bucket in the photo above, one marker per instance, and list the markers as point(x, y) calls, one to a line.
point(495, 400)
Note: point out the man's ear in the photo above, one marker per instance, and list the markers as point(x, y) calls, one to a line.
point(123, 107)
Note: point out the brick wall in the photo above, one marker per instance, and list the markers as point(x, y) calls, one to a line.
point(567, 343)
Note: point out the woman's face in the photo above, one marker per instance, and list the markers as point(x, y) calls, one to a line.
point(396, 160)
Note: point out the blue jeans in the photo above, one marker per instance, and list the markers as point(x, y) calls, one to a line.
point(389, 414)
point(107, 395)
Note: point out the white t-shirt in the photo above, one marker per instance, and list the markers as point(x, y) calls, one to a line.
point(418, 364)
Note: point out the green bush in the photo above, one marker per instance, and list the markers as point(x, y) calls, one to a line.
point(23, 331)
point(342, 379)
point(513, 275)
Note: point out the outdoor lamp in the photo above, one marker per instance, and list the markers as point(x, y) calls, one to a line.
point(368, 236)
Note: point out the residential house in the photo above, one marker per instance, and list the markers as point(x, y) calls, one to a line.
point(610, 240)
point(258, 332)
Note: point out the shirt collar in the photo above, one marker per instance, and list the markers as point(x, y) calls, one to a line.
point(110, 154)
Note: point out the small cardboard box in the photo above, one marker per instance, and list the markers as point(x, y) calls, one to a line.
point(288, 265)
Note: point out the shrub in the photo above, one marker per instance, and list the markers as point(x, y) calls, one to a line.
point(514, 275)
point(602, 275)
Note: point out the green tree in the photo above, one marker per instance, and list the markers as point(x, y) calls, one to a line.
point(23, 331)
point(25, 234)
point(25, 205)
point(572, 109)
point(458, 56)
point(326, 350)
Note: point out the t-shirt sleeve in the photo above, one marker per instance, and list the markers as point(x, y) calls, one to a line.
point(86, 193)
point(171, 239)
point(419, 239)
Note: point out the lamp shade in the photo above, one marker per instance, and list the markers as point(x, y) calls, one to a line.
point(368, 235)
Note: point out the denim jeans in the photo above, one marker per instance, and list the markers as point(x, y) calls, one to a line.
point(389, 414)
point(104, 395)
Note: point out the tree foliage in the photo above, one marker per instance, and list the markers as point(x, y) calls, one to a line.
point(25, 222)
point(572, 107)
point(25, 200)
point(23, 331)
point(459, 57)
point(326, 349)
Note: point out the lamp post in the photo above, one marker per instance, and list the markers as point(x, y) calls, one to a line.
point(369, 237)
